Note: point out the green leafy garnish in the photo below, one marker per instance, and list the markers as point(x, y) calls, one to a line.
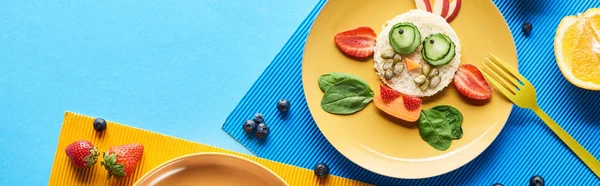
point(454, 118)
point(326, 81)
point(347, 97)
point(434, 129)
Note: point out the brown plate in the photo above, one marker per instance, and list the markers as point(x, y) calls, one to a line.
point(214, 169)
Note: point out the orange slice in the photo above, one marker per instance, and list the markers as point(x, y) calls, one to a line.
point(577, 49)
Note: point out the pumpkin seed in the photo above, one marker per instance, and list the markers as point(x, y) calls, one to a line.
point(425, 85)
point(388, 63)
point(398, 68)
point(397, 58)
point(389, 74)
point(388, 54)
point(420, 79)
point(434, 72)
point(435, 81)
point(425, 69)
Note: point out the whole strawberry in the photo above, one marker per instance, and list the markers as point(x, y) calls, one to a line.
point(121, 161)
point(82, 153)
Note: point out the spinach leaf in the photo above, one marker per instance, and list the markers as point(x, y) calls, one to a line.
point(454, 118)
point(434, 129)
point(326, 81)
point(347, 97)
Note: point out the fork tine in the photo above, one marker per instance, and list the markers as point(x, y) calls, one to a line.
point(512, 88)
point(510, 69)
point(499, 87)
point(506, 76)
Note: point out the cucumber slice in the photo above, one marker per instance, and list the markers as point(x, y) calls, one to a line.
point(445, 60)
point(405, 38)
point(438, 49)
point(436, 46)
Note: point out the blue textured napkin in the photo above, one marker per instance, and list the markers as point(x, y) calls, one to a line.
point(524, 148)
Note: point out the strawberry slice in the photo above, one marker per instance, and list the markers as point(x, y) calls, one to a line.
point(388, 94)
point(411, 102)
point(470, 83)
point(358, 42)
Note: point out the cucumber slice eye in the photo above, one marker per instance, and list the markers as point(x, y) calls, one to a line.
point(438, 49)
point(405, 38)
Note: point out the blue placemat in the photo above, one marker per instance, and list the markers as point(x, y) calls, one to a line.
point(524, 148)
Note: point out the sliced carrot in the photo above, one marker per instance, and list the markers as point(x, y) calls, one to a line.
point(411, 65)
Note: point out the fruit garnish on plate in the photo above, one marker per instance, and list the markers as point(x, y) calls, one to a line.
point(393, 103)
point(577, 49)
point(82, 153)
point(357, 42)
point(388, 94)
point(447, 9)
point(121, 161)
point(453, 10)
point(440, 7)
point(470, 83)
point(411, 102)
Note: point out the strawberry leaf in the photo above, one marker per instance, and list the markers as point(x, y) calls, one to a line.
point(114, 169)
point(92, 158)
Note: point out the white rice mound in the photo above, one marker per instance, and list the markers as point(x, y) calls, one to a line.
point(428, 24)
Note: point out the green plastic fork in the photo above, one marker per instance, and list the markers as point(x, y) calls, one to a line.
point(520, 91)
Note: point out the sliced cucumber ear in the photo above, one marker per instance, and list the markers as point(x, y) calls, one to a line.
point(405, 38)
point(438, 49)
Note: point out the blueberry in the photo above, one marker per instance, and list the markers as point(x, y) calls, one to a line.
point(259, 118)
point(497, 184)
point(321, 170)
point(536, 180)
point(262, 130)
point(249, 126)
point(283, 105)
point(99, 124)
point(526, 27)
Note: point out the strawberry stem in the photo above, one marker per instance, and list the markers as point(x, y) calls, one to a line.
point(92, 158)
point(110, 164)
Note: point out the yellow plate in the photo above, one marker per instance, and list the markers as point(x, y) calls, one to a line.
point(385, 145)
point(214, 169)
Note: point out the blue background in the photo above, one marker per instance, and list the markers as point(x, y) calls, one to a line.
point(174, 67)
point(180, 68)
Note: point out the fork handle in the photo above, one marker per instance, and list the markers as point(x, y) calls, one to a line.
point(590, 161)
